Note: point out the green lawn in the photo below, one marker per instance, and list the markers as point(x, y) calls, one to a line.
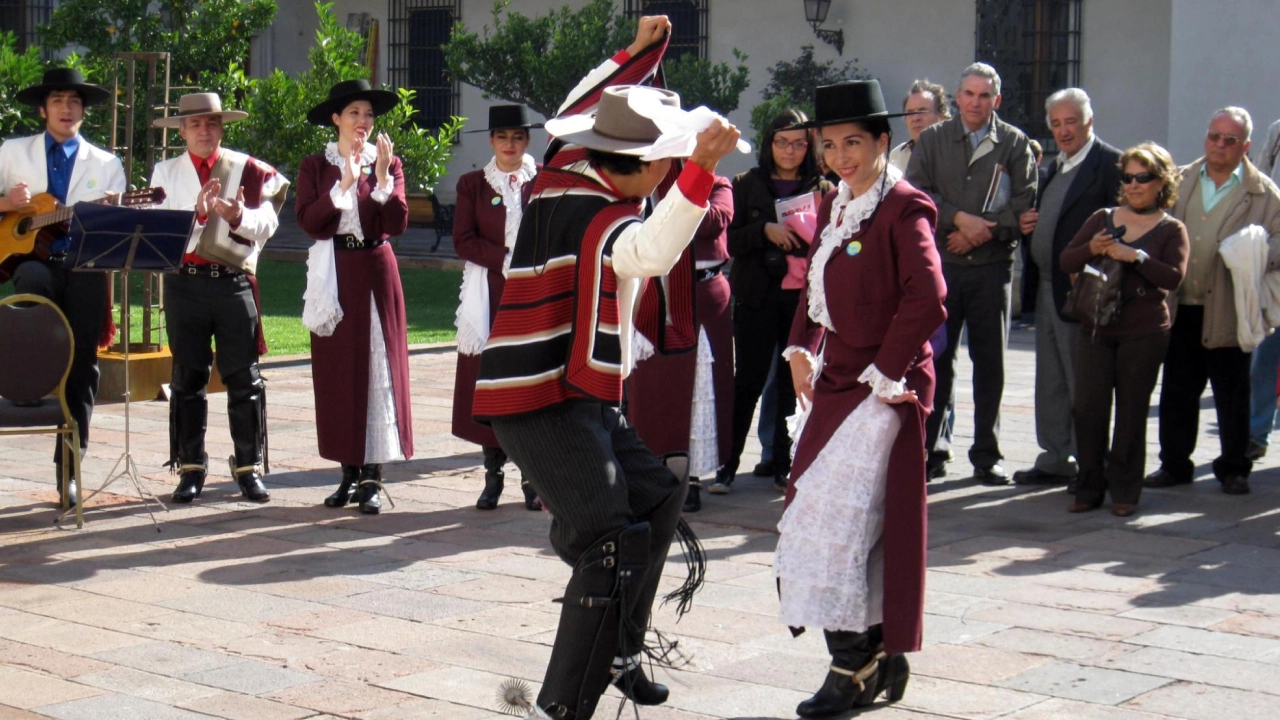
point(430, 297)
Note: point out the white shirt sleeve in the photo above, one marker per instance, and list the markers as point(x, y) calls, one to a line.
point(651, 248)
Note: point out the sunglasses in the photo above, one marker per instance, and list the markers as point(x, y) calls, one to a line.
point(783, 144)
point(1144, 178)
point(1228, 140)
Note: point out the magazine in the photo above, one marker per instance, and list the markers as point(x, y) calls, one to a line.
point(999, 191)
point(800, 213)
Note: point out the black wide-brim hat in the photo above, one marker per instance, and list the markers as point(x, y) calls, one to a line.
point(62, 79)
point(508, 117)
point(846, 102)
point(347, 92)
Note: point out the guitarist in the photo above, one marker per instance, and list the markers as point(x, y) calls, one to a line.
point(236, 199)
point(62, 163)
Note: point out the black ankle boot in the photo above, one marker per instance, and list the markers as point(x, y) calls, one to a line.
point(251, 485)
point(633, 683)
point(341, 496)
point(494, 459)
point(693, 500)
point(370, 489)
point(852, 680)
point(190, 483)
point(531, 501)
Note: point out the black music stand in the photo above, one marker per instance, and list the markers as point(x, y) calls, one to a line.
point(106, 238)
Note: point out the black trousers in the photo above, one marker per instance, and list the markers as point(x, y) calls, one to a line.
point(759, 335)
point(977, 297)
point(202, 310)
point(82, 296)
point(1187, 366)
point(1126, 368)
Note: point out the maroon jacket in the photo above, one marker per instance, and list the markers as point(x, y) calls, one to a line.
point(884, 302)
point(319, 219)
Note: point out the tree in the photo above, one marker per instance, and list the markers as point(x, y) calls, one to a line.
point(200, 35)
point(793, 83)
point(701, 82)
point(277, 131)
point(17, 71)
point(537, 61)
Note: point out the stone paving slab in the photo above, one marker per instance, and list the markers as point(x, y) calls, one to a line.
point(292, 611)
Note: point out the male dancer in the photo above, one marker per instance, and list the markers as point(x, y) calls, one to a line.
point(60, 162)
point(550, 379)
point(236, 199)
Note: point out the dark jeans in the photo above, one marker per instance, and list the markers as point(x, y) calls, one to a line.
point(759, 333)
point(977, 297)
point(1126, 368)
point(83, 299)
point(1187, 366)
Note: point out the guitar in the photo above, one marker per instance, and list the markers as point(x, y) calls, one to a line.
point(29, 232)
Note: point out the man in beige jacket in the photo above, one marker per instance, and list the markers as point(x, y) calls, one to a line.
point(1220, 193)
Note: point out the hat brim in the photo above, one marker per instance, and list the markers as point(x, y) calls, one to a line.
point(817, 123)
point(580, 130)
point(35, 95)
point(530, 126)
point(381, 100)
point(175, 121)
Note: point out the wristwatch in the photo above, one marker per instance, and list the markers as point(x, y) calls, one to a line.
point(1141, 257)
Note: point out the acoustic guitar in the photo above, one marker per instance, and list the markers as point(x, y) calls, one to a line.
point(29, 232)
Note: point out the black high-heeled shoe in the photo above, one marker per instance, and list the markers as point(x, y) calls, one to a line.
point(842, 691)
point(531, 501)
point(342, 496)
point(892, 677)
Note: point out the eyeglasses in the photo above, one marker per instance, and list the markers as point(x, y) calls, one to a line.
point(782, 144)
point(1228, 140)
point(1144, 178)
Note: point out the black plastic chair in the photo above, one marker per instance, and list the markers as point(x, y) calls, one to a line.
point(35, 360)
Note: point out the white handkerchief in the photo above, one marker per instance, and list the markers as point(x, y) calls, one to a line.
point(679, 127)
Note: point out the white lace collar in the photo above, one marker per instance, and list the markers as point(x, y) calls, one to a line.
point(497, 179)
point(367, 155)
point(847, 213)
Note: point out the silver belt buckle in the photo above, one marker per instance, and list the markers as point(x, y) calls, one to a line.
point(351, 244)
point(191, 269)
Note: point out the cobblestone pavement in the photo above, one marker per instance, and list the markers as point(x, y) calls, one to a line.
point(292, 610)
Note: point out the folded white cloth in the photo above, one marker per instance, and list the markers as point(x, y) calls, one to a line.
point(1245, 255)
point(679, 128)
point(473, 310)
point(321, 311)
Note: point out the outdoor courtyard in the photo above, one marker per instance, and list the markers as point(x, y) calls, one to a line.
point(293, 610)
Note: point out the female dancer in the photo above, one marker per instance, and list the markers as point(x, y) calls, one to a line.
point(351, 199)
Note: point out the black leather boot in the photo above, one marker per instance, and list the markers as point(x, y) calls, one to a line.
point(341, 496)
point(188, 417)
point(531, 501)
point(246, 414)
point(852, 680)
point(603, 583)
point(494, 459)
point(370, 493)
point(628, 676)
point(693, 500)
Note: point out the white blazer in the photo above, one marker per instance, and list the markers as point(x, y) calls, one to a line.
point(96, 172)
point(182, 185)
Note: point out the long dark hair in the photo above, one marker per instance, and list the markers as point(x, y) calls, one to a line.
point(786, 120)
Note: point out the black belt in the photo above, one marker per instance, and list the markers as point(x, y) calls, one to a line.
point(707, 273)
point(351, 242)
point(209, 270)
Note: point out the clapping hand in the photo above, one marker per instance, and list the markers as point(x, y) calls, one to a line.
point(207, 197)
point(351, 166)
point(231, 210)
point(386, 151)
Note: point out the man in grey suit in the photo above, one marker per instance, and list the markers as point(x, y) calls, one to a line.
point(981, 174)
point(1082, 179)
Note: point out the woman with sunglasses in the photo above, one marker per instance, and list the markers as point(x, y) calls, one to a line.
point(769, 262)
point(1121, 360)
